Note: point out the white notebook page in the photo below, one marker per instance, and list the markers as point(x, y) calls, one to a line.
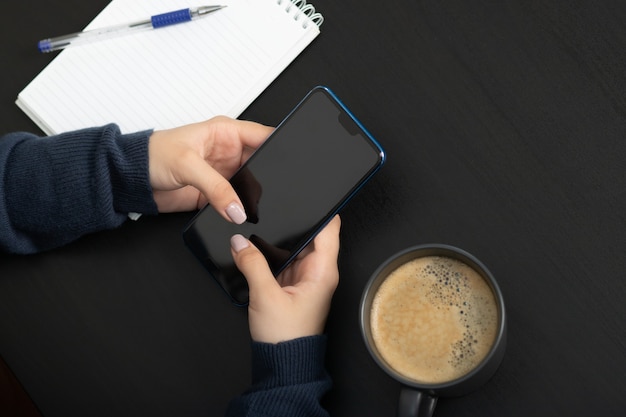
point(163, 78)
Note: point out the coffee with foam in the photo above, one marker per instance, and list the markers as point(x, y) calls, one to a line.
point(434, 319)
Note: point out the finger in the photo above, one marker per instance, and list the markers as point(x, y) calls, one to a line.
point(327, 240)
point(183, 199)
point(253, 266)
point(216, 189)
point(323, 258)
point(252, 134)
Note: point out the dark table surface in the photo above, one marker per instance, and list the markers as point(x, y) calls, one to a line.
point(505, 128)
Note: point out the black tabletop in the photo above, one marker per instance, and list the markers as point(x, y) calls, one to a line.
point(505, 128)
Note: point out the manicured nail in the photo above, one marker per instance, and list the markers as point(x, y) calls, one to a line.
point(238, 242)
point(236, 213)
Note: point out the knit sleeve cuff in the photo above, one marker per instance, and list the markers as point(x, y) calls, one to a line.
point(131, 184)
point(287, 363)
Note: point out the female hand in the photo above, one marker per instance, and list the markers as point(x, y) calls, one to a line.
point(190, 165)
point(296, 303)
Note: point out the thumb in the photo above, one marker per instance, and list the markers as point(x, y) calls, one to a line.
point(216, 189)
point(253, 266)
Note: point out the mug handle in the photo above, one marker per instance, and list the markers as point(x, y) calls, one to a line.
point(414, 403)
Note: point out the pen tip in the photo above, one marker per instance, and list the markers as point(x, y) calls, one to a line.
point(203, 10)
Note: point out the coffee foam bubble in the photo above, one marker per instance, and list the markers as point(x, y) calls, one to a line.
point(434, 319)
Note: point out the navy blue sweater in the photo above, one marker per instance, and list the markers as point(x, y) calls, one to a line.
point(55, 189)
point(288, 379)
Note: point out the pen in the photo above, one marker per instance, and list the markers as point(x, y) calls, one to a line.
point(155, 22)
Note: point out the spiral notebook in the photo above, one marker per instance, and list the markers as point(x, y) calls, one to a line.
point(156, 79)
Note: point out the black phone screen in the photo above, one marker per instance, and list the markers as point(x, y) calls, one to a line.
point(301, 176)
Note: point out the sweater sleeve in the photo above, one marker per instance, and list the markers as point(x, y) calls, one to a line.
point(55, 189)
point(288, 379)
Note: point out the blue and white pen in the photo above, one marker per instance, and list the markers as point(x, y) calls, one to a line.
point(155, 22)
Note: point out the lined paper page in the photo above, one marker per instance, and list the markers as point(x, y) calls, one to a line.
point(157, 79)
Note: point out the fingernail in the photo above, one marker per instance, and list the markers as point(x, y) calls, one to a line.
point(238, 242)
point(236, 213)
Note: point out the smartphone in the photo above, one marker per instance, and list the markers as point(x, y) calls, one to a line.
point(315, 160)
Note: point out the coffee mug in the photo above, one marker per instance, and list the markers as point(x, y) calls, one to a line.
point(433, 318)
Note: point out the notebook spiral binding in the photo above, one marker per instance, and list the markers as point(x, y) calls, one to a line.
point(301, 8)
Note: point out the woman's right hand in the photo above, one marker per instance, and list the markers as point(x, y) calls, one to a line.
point(296, 303)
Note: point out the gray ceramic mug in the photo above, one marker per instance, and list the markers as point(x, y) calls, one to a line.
point(433, 293)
